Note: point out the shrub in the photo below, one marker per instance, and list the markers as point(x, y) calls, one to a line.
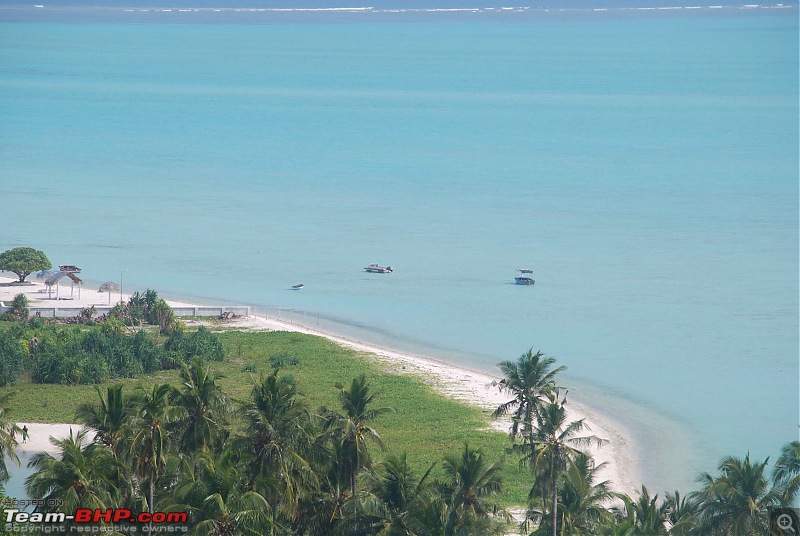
point(74, 356)
point(147, 352)
point(201, 343)
point(86, 316)
point(283, 359)
point(288, 379)
point(12, 358)
point(68, 364)
point(162, 315)
point(171, 360)
point(19, 309)
point(51, 363)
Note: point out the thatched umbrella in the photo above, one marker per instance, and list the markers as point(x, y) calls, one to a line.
point(108, 286)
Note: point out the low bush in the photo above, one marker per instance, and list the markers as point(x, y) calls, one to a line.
point(12, 358)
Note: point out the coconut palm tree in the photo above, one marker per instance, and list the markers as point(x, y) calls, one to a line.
point(214, 490)
point(471, 482)
point(322, 510)
point(3, 531)
point(682, 513)
point(618, 526)
point(786, 472)
point(432, 513)
point(354, 429)
point(8, 429)
point(738, 500)
point(108, 419)
point(556, 445)
point(80, 475)
point(530, 380)
point(278, 438)
point(646, 515)
point(151, 438)
point(581, 498)
point(206, 407)
point(395, 497)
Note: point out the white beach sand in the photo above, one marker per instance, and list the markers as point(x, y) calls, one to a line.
point(472, 387)
point(39, 435)
point(69, 295)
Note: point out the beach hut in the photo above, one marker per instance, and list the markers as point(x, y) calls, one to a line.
point(67, 270)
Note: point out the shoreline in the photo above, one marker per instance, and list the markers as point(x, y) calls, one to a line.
point(478, 389)
point(472, 387)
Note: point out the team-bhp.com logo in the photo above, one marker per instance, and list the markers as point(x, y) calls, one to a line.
point(86, 520)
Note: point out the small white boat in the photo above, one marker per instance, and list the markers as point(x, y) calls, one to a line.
point(297, 286)
point(525, 277)
point(376, 269)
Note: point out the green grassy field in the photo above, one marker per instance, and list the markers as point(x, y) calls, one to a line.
point(425, 425)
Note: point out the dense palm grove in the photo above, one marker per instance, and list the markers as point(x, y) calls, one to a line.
point(273, 465)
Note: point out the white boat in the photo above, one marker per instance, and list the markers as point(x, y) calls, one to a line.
point(525, 277)
point(376, 269)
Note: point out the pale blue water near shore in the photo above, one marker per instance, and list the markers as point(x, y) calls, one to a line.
point(643, 164)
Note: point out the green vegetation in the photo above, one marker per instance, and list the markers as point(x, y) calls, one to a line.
point(3, 531)
point(8, 430)
point(19, 309)
point(52, 353)
point(274, 466)
point(90, 352)
point(147, 308)
point(427, 425)
point(12, 356)
point(24, 261)
point(293, 434)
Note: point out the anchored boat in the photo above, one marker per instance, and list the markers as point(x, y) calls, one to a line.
point(525, 277)
point(376, 269)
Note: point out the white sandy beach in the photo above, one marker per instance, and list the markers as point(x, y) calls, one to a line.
point(39, 435)
point(69, 295)
point(472, 387)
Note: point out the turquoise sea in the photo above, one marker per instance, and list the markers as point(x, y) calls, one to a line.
point(644, 163)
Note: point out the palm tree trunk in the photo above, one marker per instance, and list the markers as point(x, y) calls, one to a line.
point(555, 492)
point(152, 494)
point(555, 506)
point(353, 492)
